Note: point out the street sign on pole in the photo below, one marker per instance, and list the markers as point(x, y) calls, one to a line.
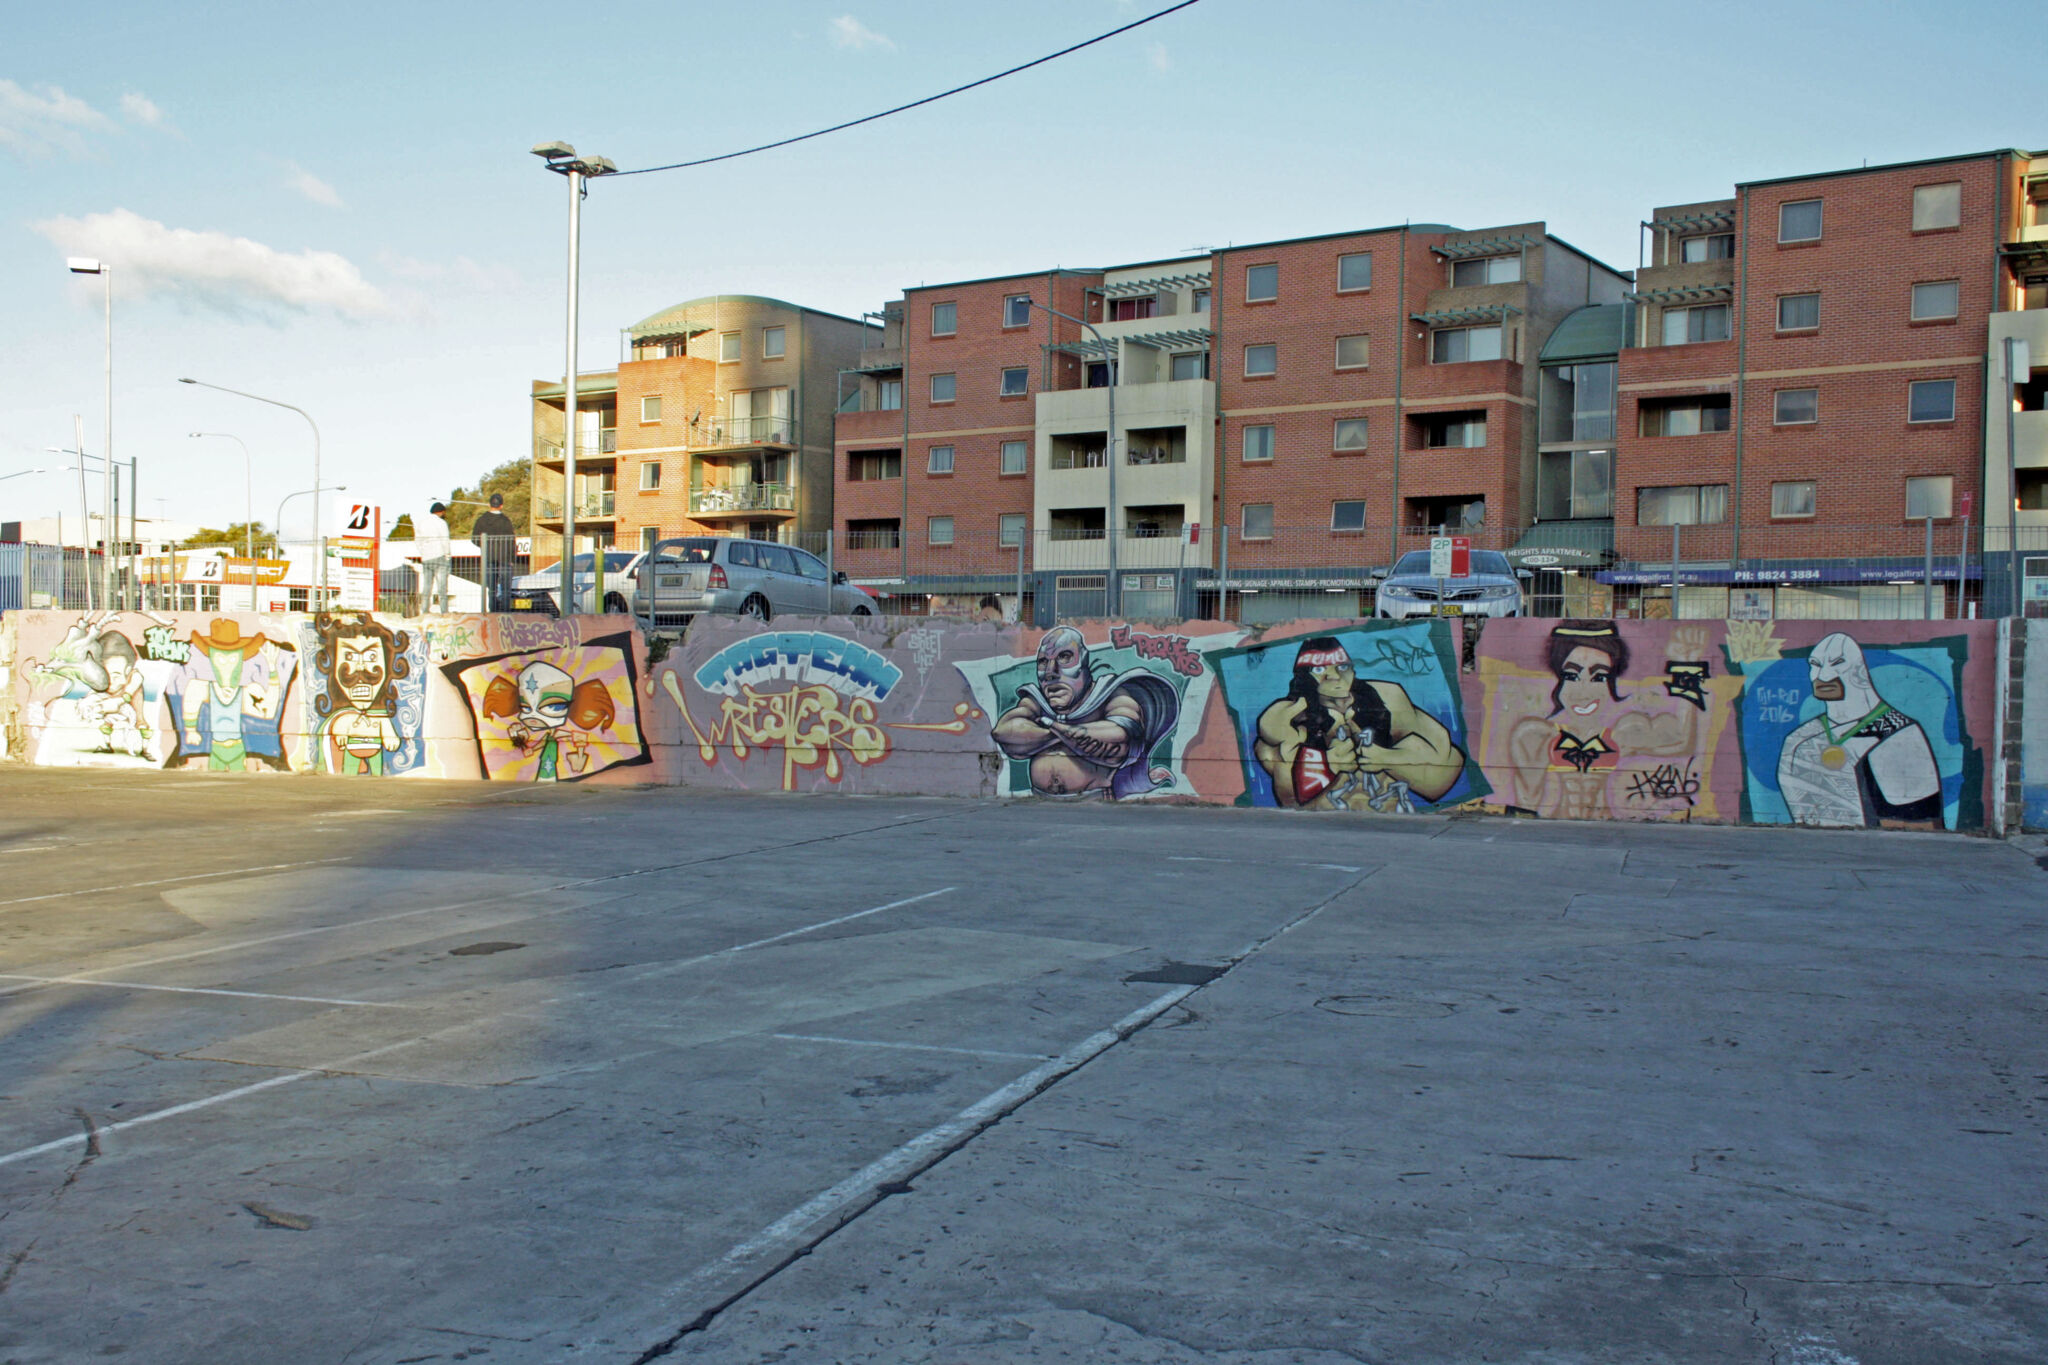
point(1461, 556)
point(1439, 556)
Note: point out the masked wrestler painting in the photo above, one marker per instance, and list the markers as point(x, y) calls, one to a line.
point(1087, 732)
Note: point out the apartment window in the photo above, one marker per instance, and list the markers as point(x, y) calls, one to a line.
point(1016, 456)
point(1258, 521)
point(1350, 433)
point(1712, 246)
point(1261, 359)
point(1452, 430)
point(1261, 282)
point(1100, 374)
point(1348, 515)
point(649, 535)
point(1450, 345)
point(1937, 206)
point(1930, 497)
point(940, 460)
point(1936, 300)
point(650, 408)
point(1682, 505)
point(1016, 380)
point(939, 530)
point(1799, 221)
point(1931, 400)
point(1684, 416)
point(944, 387)
point(728, 347)
point(1016, 310)
point(1354, 353)
point(650, 476)
point(1683, 326)
point(1258, 444)
point(1574, 483)
point(1487, 270)
point(1133, 310)
point(1798, 312)
point(888, 395)
point(874, 533)
point(1795, 407)
point(945, 319)
point(1354, 271)
point(1189, 365)
point(1201, 301)
point(868, 466)
point(774, 342)
point(1794, 499)
point(1010, 528)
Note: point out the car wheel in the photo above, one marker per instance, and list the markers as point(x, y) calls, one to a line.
point(862, 611)
point(755, 608)
point(614, 604)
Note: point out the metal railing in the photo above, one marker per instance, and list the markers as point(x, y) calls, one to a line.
point(743, 497)
point(744, 431)
point(605, 442)
point(588, 505)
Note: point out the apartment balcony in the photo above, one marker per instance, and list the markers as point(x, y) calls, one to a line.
point(743, 500)
point(601, 446)
point(879, 358)
point(740, 433)
point(589, 507)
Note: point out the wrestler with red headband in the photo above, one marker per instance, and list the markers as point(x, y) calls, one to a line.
point(1340, 742)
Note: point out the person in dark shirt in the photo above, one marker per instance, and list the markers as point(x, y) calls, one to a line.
point(497, 537)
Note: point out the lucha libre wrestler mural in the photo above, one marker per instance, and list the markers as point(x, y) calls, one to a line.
point(1367, 719)
point(1110, 720)
point(554, 715)
point(367, 694)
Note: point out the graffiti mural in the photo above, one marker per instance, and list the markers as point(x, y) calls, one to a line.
point(1364, 719)
point(227, 698)
point(94, 699)
point(1843, 733)
point(1110, 720)
point(561, 713)
point(1605, 720)
point(366, 696)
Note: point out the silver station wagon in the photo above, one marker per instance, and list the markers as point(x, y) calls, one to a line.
point(736, 577)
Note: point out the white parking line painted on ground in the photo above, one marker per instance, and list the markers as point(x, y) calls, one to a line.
point(202, 990)
point(166, 881)
point(649, 973)
point(912, 1047)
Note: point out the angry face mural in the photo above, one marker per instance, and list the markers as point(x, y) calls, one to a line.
point(368, 687)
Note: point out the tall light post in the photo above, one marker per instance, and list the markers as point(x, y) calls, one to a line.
point(19, 472)
point(561, 158)
point(248, 504)
point(319, 546)
point(1113, 355)
point(86, 265)
point(109, 517)
point(314, 493)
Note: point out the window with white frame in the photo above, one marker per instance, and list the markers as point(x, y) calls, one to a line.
point(945, 319)
point(888, 395)
point(1354, 352)
point(1258, 521)
point(1016, 457)
point(939, 531)
point(1793, 498)
point(1682, 505)
point(944, 388)
point(1350, 433)
point(1261, 359)
point(1201, 301)
point(1935, 299)
point(650, 407)
point(1261, 282)
point(1016, 380)
point(1452, 345)
point(1937, 206)
point(1795, 407)
point(1703, 322)
point(1930, 497)
point(1189, 365)
point(1799, 220)
point(1016, 310)
point(774, 342)
point(1711, 246)
point(1258, 443)
point(650, 476)
point(940, 460)
point(1798, 312)
point(729, 344)
point(1486, 270)
point(1010, 528)
point(1347, 514)
point(1931, 400)
point(1354, 271)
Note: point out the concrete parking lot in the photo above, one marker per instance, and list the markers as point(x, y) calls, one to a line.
point(403, 1072)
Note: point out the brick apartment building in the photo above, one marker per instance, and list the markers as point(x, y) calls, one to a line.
point(721, 422)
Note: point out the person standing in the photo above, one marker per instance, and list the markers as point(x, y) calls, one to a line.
point(434, 546)
point(497, 537)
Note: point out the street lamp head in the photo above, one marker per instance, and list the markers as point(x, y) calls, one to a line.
point(188, 381)
point(84, 265)
point(554, 151)
point(600, 165)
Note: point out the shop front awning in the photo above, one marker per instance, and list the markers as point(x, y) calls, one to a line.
point(1578, 544)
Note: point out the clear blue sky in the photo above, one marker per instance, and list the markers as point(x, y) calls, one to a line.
point(333, 205)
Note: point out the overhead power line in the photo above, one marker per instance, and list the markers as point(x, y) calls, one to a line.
point(928, 99)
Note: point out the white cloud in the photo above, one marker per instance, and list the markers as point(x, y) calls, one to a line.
point(40, 122)
point(850, 32)
point(139, 108)
point(461, 273)
point(311, 186)
point(231, 275)
point(1156, 55)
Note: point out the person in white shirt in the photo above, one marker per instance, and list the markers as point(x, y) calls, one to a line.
point(434, 545)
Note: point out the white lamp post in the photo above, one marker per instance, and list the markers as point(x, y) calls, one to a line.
point(248, 504)
point(319, 546)
point(86, 265)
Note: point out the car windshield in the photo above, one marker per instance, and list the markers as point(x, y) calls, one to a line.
point(691, 551)
point(1483, 561)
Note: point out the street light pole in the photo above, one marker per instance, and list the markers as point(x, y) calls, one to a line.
point(319, 545)
point(1114, 355)
point(331, 488)
point(248, 505)
point(561, 158)
point(85, 265)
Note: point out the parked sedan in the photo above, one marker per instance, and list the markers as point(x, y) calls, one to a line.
point(757, 578)
point(540, 591)
point(1491, 589)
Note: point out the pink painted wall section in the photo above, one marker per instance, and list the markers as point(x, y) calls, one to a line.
point(1776, 722)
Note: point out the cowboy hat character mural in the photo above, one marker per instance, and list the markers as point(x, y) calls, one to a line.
point(229, 704)
point(551, 716)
